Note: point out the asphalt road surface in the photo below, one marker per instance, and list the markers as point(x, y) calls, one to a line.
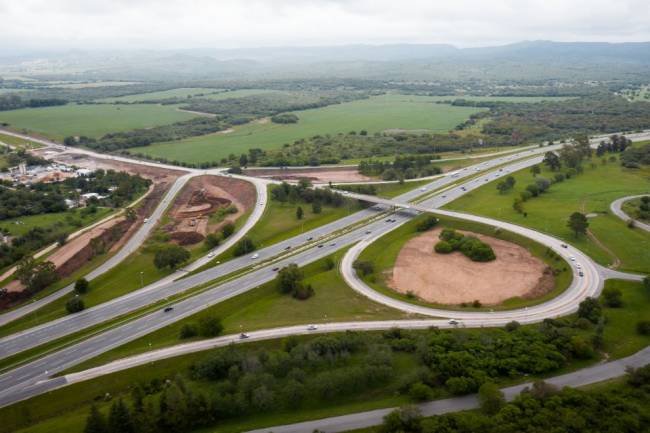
point(23, 381)
point(616, 208)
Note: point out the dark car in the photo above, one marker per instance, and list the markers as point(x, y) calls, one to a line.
point(168, 309)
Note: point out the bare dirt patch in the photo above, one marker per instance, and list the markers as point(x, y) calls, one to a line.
point(454, 279)
point(315, 175)
point(200, 199)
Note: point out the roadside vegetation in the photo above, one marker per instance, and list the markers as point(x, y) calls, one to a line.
point(638, 209)
point(589, 190)
point(418, 365)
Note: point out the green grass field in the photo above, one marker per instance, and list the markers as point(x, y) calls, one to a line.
point(91, 120)
point(183, 92)
point(590, 192)
point(18, 142)
point(375, 114)
point(68, 222)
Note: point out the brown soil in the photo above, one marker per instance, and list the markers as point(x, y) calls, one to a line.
point(316, 175)
point(202, 197)
point(454, 279)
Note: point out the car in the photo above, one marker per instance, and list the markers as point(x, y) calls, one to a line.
point(581, 274)
point(210, 255)
point(288, 247)
point(321, 246)
point(423, 189)
point(389, 220)
point(275, 269)
point(243, 335)
point(254, 256)
point(453, 322)
point(564, 246)
point(168, 309)
point(572, 258)
point(444, 196)
point(310, 238)
point(368, 232)
point(312, 327)
point(578, 265)
point(333, 244)
point(146, 220)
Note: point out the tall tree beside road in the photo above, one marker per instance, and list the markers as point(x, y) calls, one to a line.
point(578, 223)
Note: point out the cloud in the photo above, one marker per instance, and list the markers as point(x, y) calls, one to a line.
point(236, 23)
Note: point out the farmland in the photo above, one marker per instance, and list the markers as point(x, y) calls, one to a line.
point(91, 120)
point(373, 115)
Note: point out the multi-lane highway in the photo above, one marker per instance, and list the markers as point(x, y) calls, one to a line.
point(23, 381)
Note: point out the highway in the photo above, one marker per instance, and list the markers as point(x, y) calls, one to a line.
point(23, 381)
point(38, 335)
point(616, 208)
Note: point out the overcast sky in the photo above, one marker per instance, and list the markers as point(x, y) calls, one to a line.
point(247, 23)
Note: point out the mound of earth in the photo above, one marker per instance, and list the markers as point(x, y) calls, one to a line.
point(454, 279)
point(202, 197)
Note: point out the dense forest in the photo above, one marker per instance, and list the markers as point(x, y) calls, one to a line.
point(14, 102)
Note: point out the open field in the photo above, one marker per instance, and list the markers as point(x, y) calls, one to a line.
point(384, 252)
point(18, 142)
point(183, 92)
point(374, 115)
point(91, 120)
point(590, 193)
point(453, 278)
point(65, 222)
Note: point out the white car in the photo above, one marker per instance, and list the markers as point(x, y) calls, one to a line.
point(453, 322)
point(146, 220)
point(312, 327)
point(254, 256)
point(572, 258)
point(210, 255)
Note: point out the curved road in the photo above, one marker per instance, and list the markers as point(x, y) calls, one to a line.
point(617, 209)
point(24, 381)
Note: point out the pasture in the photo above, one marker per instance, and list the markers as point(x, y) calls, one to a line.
point(376, 114)
point(91, 120)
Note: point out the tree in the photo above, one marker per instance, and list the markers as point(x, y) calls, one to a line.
point(443, 247)
point(36, 276)
point(491, 398)
point(289, 278)
point(643, 327)
point(427, 223)
point(188, 330)
point(212, 240)
point(578, 223)
point(210, 326)
point(81, 286)
point(74, 305)
point(364, 267)
point(316, 207)
point(95, 423)
point(227, 230)
point(299, 212)
point(535, 170)
point(613, 297)
point(590, 310)
point(244, 246)
point(512, 326)
point(518, 205)
point(119, 418)
point(243, 160)
point(405, 419)
point(646, 283)
point(170, 256)
point(552, 161)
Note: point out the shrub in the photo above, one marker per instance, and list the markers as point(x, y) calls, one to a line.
point(227, 230)
point(612, 297)
point(364, 267)
point(420, 392)
point(428, 223)
point(81, 286)
point(244, 246)
point(170, 256)
point(512, 326)
point(443, 247)
point(643, 327)
point(210, 327)
point(74, 305)
point(188, 330)
point(212, 240)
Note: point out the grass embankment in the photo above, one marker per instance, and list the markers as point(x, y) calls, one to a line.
point(632, 208)
point(62, 222)
point(19, 143)
point(590, 193)
point(91, 120)
point(384, 251)
point(376, 114)
point(66, 409)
